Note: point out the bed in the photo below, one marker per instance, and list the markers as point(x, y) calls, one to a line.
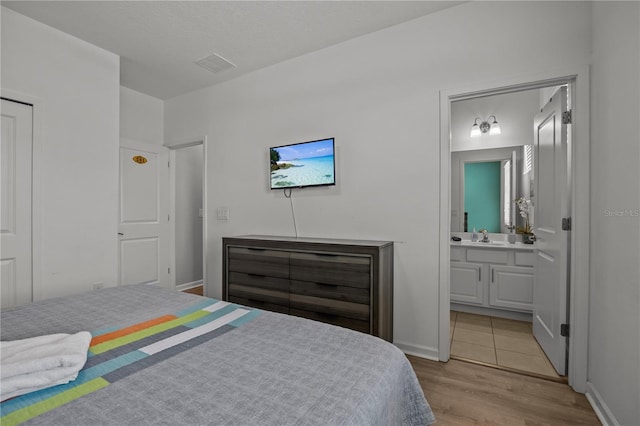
point(160, 357)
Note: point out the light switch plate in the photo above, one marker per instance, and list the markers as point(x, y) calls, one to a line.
point(222, 213)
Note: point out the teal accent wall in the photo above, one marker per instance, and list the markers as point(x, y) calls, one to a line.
point(482, 195)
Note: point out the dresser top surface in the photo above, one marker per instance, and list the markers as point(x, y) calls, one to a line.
point(368, 243)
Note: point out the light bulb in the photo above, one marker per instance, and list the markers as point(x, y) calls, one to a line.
point(495, 128)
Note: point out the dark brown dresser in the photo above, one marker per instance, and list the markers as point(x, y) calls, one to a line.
point(342, 282)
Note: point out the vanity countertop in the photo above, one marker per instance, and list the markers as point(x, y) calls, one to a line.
point(499, 245)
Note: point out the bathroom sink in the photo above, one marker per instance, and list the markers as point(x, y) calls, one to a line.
point(490, 243)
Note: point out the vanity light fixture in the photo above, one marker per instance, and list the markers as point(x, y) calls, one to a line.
point(484, 127)
point(495, 127)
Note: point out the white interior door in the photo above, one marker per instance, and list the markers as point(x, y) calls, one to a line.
point(144, 236)
point(551, 205)
point(15, 204)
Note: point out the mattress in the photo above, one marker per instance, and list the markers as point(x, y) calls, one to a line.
point(160, 357)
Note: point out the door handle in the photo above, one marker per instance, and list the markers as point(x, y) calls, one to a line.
point(120, 233)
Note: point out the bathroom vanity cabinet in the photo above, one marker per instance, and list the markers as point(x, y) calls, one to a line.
point(499, 277)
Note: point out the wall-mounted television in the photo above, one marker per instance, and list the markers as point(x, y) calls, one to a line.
point(303, 164)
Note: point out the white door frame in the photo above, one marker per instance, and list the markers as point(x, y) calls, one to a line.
point(202, 140)
point(36, 186)
point(579, 153)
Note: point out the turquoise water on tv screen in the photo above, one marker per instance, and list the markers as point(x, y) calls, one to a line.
point(306, 171)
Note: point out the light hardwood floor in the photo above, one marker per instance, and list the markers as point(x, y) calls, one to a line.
point(195, 290)
point(462, 393)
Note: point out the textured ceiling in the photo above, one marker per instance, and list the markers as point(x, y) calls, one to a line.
point(159, 41)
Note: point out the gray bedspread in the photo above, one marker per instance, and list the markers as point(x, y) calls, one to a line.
point(273, 369)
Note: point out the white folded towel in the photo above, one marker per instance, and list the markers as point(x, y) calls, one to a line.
point(36, 363)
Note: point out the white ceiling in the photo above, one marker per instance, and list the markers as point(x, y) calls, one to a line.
point(159, 41)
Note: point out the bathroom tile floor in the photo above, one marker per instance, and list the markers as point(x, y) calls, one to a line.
point(504, 343)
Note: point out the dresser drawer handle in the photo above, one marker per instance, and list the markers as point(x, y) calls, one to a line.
point(326, 284)
point(325, 315)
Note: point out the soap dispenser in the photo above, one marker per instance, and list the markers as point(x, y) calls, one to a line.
point(474, 235)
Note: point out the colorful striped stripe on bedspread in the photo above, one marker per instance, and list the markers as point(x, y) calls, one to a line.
point(117, 353)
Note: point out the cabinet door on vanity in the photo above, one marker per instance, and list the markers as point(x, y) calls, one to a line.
point(467, 285)
point(511, 287)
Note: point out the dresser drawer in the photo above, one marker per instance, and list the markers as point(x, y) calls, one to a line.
point(330, 291)
point(347, 271)
point(271, 263)
point(260, 281)
point(273, 307)
point(353, 324)
point(340, 308)
point(259, 294)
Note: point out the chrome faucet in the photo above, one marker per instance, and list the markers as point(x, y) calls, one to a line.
point(485, 236)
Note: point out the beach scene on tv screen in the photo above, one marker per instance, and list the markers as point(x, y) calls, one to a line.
point(303, 164)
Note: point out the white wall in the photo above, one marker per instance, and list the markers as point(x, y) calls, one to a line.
point(75, 151)
point(141, 117)
point(378, 95)
point(614, 323)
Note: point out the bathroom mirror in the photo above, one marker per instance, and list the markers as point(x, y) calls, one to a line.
point(484, 184)
point(490, 171)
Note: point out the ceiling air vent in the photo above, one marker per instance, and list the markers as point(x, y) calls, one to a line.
point(215, 63)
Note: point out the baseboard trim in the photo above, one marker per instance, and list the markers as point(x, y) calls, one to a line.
point(418, 350)
point(600, 407)
point(187, 286)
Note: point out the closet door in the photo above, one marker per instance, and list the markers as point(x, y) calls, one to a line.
point(15, 204)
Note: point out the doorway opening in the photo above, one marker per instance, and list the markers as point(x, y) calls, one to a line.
point(495, 307)
point(188, 213)
point(493, 310)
